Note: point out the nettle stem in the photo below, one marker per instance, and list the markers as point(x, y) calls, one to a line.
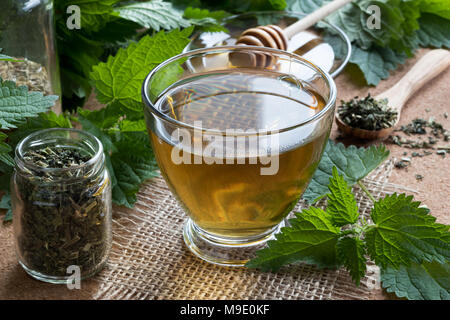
point(363, 188)
point(360, 229)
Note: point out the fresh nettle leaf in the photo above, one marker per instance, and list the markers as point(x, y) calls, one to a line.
point(79, 50)
point(404, 26)
point(50, 120)
point(197, 13)
point(17, 104)
point(439, 7)
point(167, 76)
point(119, 80)
point(99, 123)
point(352, 19)
point(88, 125)
point(376, 63)
point(304, 6)
point(261, 5)
point(42, 121)
point(104, 118)
point(129, 157)
point(5, 203)
point(398, 24)
point(405, 233)
point(5, 149)
point(311, 238)
point(133, 163)
point(434, 31)
point(154, 14)
point(404, 240)
point(354, 163)
point(426, 281)
point(351, 253)
point(94, 13)
point(341, 202)
point(5, 177)
point(398, 20)
point(103, 31)
point(249, 5)
point(183, 4)
point(133, 126)
point(209, 21)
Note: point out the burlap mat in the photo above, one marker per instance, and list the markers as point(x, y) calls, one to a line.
point(150, 261)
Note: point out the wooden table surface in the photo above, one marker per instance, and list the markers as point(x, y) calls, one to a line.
point(433, 100)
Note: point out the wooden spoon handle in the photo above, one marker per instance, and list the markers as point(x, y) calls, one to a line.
point(429, 66)
point(314, 17)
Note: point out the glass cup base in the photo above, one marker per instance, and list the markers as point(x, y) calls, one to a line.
point(224, 251)
point(57, 280)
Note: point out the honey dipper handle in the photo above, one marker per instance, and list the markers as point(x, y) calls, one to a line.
point(313, 18)
point(428, 67)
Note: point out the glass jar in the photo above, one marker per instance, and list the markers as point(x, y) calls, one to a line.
point(61, 202)
point(27, 34)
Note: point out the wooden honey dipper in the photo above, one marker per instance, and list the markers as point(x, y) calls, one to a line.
point(272, 36)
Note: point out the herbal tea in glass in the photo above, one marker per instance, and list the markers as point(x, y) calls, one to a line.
point(237, 145)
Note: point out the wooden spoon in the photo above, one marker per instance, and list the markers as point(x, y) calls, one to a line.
point(428, 67)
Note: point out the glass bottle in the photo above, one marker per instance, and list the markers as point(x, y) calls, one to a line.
point(27, 34)
point(61, 215)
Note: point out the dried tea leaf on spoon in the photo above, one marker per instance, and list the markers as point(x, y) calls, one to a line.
point(367, 113)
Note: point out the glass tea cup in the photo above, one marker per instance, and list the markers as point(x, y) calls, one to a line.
point(237, 132)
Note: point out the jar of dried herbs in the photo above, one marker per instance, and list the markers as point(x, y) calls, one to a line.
point(27, 34)
point(61, 202)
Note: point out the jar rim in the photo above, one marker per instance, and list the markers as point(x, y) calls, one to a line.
point(97, 145)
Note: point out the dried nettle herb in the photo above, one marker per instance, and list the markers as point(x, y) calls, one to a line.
point(26, 72)
point(367, 113)
point(419, 126)
point(430, 129)
point(428, 133)
point(64, 219)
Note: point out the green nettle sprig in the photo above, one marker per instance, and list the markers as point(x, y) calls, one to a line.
point(405, 26)
point(401, 237)
point(107, 25)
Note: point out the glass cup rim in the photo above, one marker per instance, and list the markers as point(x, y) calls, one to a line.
point(329, 80)
point(91, 162)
